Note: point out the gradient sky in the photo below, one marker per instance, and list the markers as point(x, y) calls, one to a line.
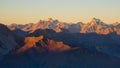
point(25, 11)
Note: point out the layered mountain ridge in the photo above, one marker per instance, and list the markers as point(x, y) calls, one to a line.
point(94, 26)
point(54, 44)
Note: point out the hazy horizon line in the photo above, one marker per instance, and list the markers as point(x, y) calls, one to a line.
point(59, 21)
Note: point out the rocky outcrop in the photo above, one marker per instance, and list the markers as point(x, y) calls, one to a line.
point(54, 46)
point(96, 26)
point(40, 45)
point(29, 43)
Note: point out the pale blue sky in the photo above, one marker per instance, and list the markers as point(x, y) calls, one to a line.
point(25, 11)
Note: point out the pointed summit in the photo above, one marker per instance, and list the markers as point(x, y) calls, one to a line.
point(50, 20)
point(116, 24)
point(96, 21)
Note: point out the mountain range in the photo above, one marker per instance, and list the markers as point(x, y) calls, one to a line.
point(94, 26)
point(54, 44)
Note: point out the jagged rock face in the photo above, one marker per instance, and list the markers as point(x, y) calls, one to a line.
point(29, 43)
point(40, 45)
point(27, 27)
point(54, 46)
point(16, 26)
point(40, 25)
point(116, 25)
point(95, 26)
point(7, 41)
point(117, 31)
point(48, 24)
point(104, 31)
point(60, 26)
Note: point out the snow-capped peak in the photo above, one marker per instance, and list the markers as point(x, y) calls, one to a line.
point(116, 24)
point(96, 21)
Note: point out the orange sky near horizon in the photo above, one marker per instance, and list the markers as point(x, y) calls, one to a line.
point(31, 11)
